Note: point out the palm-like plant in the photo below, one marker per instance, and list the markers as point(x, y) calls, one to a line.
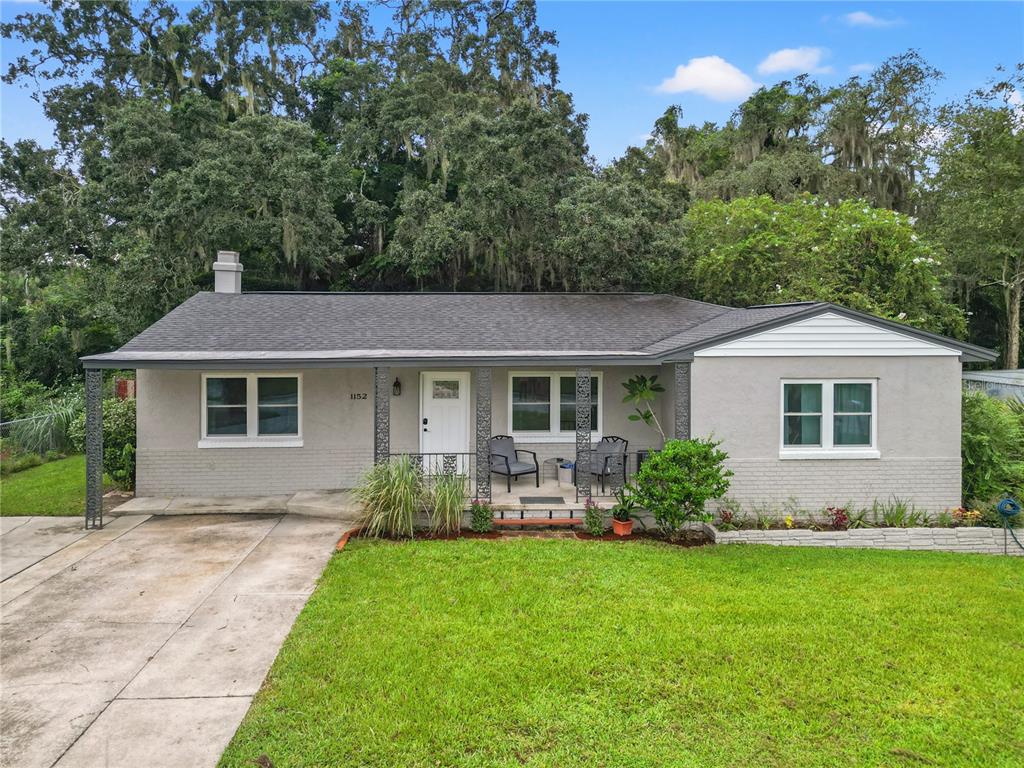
point(641, 392)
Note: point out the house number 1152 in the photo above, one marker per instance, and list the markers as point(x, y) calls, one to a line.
point(357, 396)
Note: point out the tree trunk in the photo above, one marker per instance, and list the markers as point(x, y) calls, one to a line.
point(1013, 300)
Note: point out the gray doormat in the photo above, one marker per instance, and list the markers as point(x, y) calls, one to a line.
point(541, 500)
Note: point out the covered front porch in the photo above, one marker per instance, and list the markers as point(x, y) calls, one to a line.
point(563, 475)
point(351, 416)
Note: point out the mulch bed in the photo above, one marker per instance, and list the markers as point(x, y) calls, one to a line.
point(686, 539)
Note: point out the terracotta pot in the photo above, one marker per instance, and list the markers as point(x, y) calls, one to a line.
point(622, 528)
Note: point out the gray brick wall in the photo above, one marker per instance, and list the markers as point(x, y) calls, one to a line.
point(248, 471)
point(931, 484)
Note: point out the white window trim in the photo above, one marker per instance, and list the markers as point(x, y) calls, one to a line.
point(827, 450)
point(555, 435)
point(252, 438)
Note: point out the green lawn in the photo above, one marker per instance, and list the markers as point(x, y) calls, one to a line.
point(568, 653)
point(55, 488)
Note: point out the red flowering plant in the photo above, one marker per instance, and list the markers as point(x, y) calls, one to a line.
point(838, 517)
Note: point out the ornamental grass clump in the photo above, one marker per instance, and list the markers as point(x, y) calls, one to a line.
point(392, 493)
point(675, 483)
point(448, 503)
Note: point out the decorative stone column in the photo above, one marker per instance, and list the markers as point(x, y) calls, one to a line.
point(583, 432)
point(483, 434)
point(93, 448)
point(381, 414)
point(682, 401)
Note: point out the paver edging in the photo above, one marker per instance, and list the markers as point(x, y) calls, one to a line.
point(978, 540)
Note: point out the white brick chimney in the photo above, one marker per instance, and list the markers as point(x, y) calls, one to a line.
point(227, 273)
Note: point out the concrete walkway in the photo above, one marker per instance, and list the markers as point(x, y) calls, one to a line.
point(143, 643)
point(336, 505)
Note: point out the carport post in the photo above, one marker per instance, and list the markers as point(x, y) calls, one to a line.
point(93, 448)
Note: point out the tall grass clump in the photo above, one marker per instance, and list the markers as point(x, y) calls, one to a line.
point(392, 493)
point(448, 504)
point(49, 429)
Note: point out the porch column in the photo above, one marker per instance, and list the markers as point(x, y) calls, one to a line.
point(483, 434)
point(682, 401)
point(381, 414)
point(583, 432)
point(93, 448)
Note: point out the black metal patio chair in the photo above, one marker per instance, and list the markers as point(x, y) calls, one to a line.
point(505, 460)
point(609, 459)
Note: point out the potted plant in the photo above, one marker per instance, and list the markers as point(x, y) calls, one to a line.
point(624, 512)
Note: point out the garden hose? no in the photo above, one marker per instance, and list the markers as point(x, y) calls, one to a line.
point(1008, 508)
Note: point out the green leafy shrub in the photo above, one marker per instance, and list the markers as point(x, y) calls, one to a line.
point(447, 504)
point(118, 440)
point(392, 493)
point(593, 518)
point(481, 516)
point(992, 449)
point(676, 482)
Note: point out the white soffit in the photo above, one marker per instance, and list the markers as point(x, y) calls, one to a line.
point(827, 334)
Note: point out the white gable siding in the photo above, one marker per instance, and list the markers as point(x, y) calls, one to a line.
point(827, 334)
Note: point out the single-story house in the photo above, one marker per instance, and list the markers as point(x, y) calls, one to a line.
point(271, 393)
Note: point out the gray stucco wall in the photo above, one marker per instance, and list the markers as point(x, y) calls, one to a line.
point(737, 400)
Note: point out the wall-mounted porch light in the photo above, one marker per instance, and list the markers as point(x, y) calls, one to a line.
point(396, 388)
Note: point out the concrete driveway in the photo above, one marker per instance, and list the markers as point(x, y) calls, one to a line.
point(143, 643)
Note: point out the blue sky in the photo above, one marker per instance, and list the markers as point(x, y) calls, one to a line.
point(625, 62)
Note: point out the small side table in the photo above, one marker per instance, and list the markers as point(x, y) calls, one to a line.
point(553, 463)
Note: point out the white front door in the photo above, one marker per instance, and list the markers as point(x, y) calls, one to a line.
point(444, 412)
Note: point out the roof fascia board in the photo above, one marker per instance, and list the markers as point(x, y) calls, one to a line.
point(403, 362)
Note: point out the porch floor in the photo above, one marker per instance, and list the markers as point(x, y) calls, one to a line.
point(525, 487)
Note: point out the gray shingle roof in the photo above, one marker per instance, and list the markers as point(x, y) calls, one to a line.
point(352, 327)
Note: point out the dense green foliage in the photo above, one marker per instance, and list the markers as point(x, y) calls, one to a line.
point(118, 439)
point(992, 448)
point(758, 251)
point(675, 483)
point(440, 153)
point(571, 653)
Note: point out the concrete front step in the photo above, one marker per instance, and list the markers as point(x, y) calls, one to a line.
point(335, 505)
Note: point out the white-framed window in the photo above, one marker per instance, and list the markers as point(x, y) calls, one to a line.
point(542, 405)
point(243, 410)
point(829, 418)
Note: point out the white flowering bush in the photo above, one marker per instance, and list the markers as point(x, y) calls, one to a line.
point(756, 250)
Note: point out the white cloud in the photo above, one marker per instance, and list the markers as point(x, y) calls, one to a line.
point(1014, 98)
point(710, 76)
point(804, 59)
point(865, 19)
point(861, 69)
